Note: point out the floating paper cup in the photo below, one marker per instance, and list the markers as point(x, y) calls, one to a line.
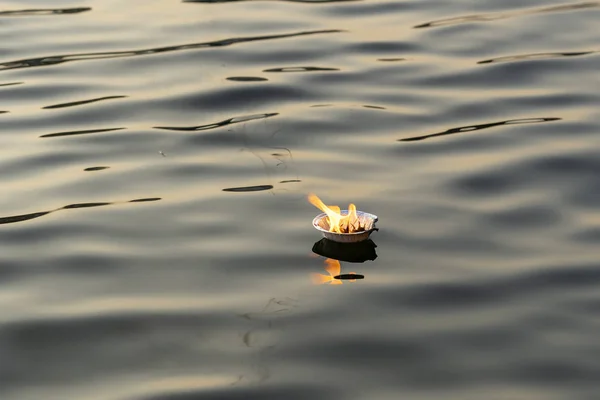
point(367, 220)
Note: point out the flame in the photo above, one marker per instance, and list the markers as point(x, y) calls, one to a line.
point(338, 223)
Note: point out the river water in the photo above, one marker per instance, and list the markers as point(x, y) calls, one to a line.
point(156, 240)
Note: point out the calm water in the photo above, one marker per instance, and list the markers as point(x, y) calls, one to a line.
point(156, 241)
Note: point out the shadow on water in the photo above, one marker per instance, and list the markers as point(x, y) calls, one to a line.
point(44, 11)
point(59, 59)
point(487, 17)
point(27, 217)
point(479, 127)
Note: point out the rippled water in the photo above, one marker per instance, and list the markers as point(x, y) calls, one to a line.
point(156, 237)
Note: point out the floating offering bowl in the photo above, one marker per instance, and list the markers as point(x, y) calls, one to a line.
point(366, 220)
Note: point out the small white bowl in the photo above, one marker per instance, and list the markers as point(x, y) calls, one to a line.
point(367, 220)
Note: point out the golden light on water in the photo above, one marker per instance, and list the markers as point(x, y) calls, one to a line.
point(333, 268)
point(334, 274)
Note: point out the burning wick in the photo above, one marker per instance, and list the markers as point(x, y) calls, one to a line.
point(338, 223)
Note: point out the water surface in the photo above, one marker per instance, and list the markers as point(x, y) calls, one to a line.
point(156, 237)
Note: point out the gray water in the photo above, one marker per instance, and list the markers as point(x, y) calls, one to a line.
point(156, 240)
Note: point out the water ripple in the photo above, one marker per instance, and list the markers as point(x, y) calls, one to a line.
point(257, 188)
point(44, 11)
point(230, 121)
point(290, 1)
point(246, 79)
point(535, 56)
point(82, 102)
point(484, 293)
point(392, 59)
point(470, 128)
point(80, 132)
point(498, 229)
point(53, 60)
point(99, 168)
point(27, 217)
point(11, 84)
point(300, 69)
point(487, 17)
point(282, 391)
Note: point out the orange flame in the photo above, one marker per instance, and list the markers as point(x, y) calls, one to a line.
point(337, 222)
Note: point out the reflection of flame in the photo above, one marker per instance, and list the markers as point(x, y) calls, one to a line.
point(335, 277)
point(333, 268)
point(338, 223)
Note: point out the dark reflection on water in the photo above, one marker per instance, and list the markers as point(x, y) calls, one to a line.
point(290, 1)
point(99, 168)
point(246, 79)
point(350, 252)
point(229, 121)
point(257, 188)
point(470, 128)
point(349, 277)
point(535, 56)
point(82, 102)
point(82, 132)
point(374, 107)
point(300, 69)
point(11, 83)
point(486, 17)
point(26, 217)
point(44, 11)
point(59, 59)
